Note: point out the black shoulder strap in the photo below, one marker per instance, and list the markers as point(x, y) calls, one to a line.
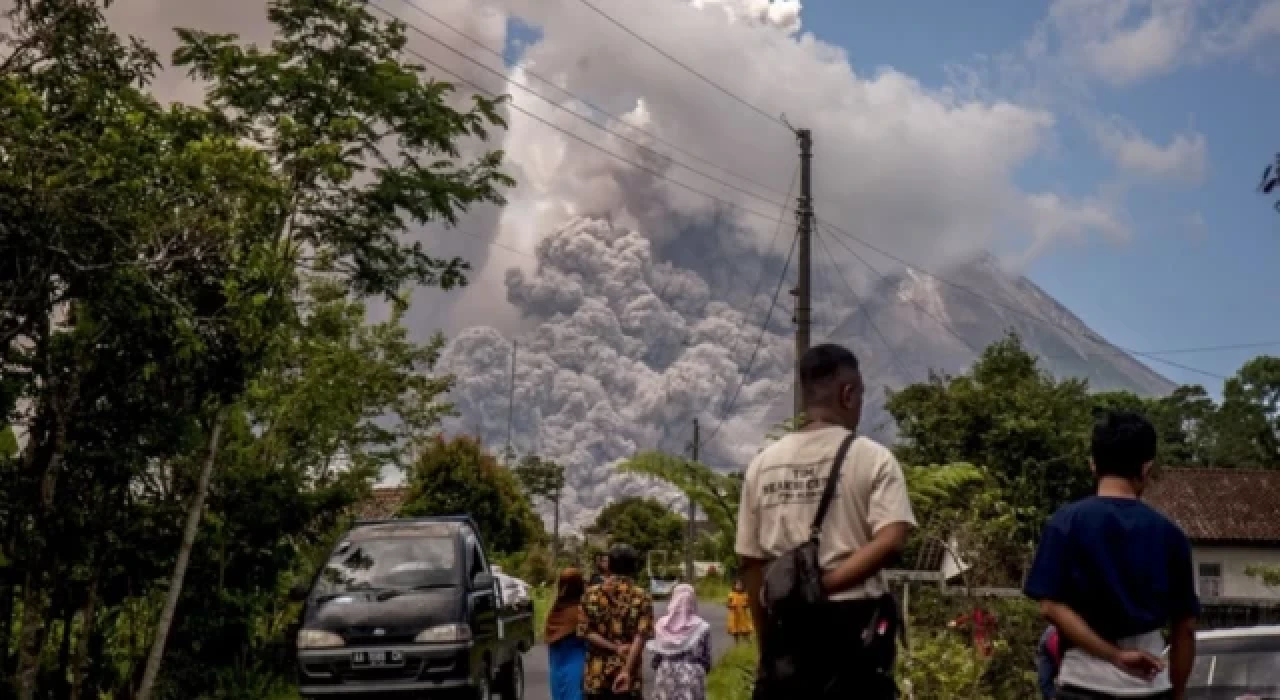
point(833, 480)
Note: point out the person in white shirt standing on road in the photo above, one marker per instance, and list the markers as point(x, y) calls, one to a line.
point(864, 528)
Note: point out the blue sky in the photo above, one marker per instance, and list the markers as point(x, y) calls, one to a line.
point(1199, 268)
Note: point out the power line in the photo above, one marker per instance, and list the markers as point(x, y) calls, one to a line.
point(463, 55)
point(924, 309)
point(623, 159)
point(764, 329)
point(893, 356)
point(1021, 311)
point(678, 62)
point(617, 118)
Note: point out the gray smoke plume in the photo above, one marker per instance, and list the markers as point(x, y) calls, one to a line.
point(624, 354)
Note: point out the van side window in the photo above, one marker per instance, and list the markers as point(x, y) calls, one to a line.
point(476, 564)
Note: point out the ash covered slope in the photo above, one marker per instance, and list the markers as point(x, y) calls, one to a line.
point(928, 324)
point(623, 352)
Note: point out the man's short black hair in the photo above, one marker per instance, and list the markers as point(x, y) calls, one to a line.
point(624, 561)
point(1123, 442)
point(820, 364)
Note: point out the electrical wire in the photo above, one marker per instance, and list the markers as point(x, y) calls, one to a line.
point(623, 159)
point(924, 309)
point(720, 88)
point(1022, 311)
point(615, 117)
point(463, 55)
point(764, 330)
point(889, 349)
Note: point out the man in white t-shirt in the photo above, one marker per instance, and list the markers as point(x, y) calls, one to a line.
point(865, 527)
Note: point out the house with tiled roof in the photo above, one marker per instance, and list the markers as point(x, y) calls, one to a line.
point(1232, 517)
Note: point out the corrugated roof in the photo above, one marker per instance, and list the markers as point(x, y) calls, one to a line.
point(1225, 505)
point(382, 504)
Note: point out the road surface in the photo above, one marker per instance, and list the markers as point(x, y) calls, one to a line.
point(537, 676)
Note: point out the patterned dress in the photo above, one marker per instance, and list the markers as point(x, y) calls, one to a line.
point(619, 611)
point(683, 676)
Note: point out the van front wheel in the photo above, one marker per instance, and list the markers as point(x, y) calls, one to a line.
point(511, 679)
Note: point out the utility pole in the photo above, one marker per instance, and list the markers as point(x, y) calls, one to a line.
point(804, 234)
point(511, 398)
point(690, 530)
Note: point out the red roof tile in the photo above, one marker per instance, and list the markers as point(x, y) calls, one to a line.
point(1225, 505)
point(382, 504)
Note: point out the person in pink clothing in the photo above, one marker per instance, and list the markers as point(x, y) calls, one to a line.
point(681, 649)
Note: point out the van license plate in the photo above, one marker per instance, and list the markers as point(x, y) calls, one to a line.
point(377, 659)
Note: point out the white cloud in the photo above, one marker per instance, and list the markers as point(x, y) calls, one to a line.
point(1123, 50)
point(1249, 27)
point(1184, 159)
point(1122, 42)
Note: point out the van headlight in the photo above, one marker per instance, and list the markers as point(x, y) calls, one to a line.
point(319, 639)
point(444, 633)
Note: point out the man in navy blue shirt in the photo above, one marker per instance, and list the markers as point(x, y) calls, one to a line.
point(1111, 574)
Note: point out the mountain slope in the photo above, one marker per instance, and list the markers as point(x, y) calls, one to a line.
point(913, 324)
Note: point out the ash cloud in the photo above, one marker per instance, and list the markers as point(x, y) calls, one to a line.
point(623, 355)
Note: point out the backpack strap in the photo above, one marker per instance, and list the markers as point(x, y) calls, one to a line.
point(828, 493)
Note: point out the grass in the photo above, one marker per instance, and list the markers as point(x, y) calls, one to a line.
point(733, 675)
point(543, 597)
point(713, 590)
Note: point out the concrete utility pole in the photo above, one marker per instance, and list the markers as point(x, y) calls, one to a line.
point(690, 530)
point(804, 234)
point(511, 396)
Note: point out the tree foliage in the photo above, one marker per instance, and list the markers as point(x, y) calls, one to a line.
point(716, 494)
point(540, 478)
point(643, 523)
point(458, 477)
point(1031, 431)
point(1028, 429)
point(173, 273)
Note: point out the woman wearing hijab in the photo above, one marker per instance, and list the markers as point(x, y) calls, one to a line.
point(681, 649)
point(566, 651)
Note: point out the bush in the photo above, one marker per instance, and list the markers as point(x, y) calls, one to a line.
point(943, 665)
point(1009, 674)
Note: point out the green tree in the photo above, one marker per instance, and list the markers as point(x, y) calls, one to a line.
point(1248, 421)
point(1028, 429)
point(455, 477)
point(963, 512)
point(643, 523)
point(1184, 422)
point(148, 267)
point(716, 494)
point(544, 479)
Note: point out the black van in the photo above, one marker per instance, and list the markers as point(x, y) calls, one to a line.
point(409, 608)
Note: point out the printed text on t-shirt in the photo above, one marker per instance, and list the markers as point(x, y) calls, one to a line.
point(790, 485)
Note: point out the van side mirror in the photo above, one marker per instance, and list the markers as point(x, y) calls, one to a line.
point(299, 591)
point(482, 581)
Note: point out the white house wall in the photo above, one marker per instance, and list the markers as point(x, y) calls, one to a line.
point(1235, 561)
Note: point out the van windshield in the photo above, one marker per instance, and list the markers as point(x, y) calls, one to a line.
point(395, 563)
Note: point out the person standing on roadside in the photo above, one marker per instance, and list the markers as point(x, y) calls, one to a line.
point(864, 529)
point(566, 651)
point(601, 569)
point(617, 621)
point(1048, 659)
point(1111, 573)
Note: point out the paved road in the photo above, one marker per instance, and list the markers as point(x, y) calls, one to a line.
point(537, 676)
